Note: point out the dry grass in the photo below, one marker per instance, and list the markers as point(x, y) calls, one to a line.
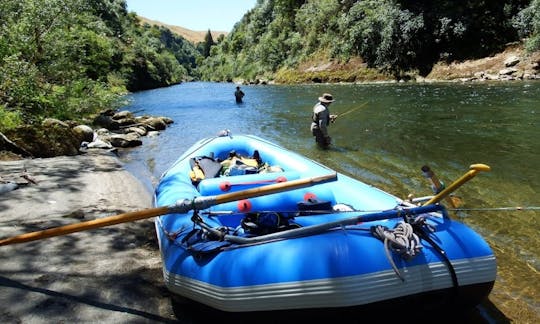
point(490, 65)
point(319, 69)
point(190, 35)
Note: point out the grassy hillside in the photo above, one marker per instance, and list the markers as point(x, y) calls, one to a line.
point(190, 35)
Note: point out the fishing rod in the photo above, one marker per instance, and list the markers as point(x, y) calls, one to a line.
point(517, 208)
point(352, 110)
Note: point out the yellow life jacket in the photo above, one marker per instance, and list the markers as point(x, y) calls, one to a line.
point(196, 174)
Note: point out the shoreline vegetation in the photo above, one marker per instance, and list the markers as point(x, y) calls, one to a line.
point(512, 64)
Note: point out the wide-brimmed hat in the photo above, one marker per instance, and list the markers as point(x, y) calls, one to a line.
point(326, 98)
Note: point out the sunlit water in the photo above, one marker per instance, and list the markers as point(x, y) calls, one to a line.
point(387, 133)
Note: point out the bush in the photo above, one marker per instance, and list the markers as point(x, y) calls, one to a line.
point(9, 119)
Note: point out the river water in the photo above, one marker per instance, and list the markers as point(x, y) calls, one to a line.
point(386, 134)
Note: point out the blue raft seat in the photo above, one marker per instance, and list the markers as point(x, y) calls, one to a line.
point(221, 185)
point(287, 201)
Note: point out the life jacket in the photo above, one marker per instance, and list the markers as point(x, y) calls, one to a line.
point(203, 167)
point(237, 165)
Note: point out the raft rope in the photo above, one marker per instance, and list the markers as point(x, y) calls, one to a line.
point(401, 239)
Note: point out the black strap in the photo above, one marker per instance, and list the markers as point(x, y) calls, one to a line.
point(422, 233)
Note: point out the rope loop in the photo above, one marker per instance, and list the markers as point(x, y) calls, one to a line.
point(402, 240)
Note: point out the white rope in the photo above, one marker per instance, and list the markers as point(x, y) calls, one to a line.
point(402, 240)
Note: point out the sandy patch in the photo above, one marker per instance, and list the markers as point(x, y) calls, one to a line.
point(111, 274)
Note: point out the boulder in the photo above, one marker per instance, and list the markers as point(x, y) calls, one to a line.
point(511, 61)
point(86, 133)
point(46, 140)
point(125, 140)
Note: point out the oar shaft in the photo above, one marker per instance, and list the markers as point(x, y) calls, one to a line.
point(274, 188)
point(181, 206)
point(319, 228)
point(82, 226)
point(474, 169)
point(436, 183)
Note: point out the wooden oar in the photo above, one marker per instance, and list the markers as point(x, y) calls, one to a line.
point(181, 206)
point(474, 169)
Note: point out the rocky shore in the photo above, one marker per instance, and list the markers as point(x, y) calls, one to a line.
point(108, 130)
point(107, 275)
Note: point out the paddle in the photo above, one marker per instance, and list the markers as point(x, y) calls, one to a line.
point(181, 206)
point(474, 169)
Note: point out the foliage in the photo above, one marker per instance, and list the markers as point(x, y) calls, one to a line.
point(527, 22)
point(9, 119)
point(383, 34)
point(67, 59)
point(207, 44)
point(394, 36)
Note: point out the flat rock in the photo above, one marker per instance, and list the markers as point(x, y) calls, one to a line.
point(105, 275)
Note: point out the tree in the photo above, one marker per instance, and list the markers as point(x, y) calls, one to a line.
point(527, 22)
point(69, 59)
point(208, 43)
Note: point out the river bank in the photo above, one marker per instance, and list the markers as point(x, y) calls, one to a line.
point(110, 275)
point(514, 63)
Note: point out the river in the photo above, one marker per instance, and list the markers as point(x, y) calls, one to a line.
point(386, 134)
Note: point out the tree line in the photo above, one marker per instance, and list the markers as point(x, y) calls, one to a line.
point(71, 58)
point(394, 36)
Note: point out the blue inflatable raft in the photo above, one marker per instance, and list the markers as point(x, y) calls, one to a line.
point(256, 227)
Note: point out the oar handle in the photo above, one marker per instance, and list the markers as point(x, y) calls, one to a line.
point(473, 170)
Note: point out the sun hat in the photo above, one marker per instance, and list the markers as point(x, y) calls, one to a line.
point(326, 98)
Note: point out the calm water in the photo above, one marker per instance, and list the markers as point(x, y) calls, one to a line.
point(396, 129)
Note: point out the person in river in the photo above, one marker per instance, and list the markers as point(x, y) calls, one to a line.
point(239, 95)
point(321, 119)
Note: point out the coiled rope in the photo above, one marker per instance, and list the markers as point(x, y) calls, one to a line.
point(401, 239)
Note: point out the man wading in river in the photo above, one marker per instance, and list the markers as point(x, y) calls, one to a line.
point(321, 119)
point(239, 94)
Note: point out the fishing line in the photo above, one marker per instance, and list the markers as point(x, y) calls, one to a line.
point(352, 110)
point(517, 208)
